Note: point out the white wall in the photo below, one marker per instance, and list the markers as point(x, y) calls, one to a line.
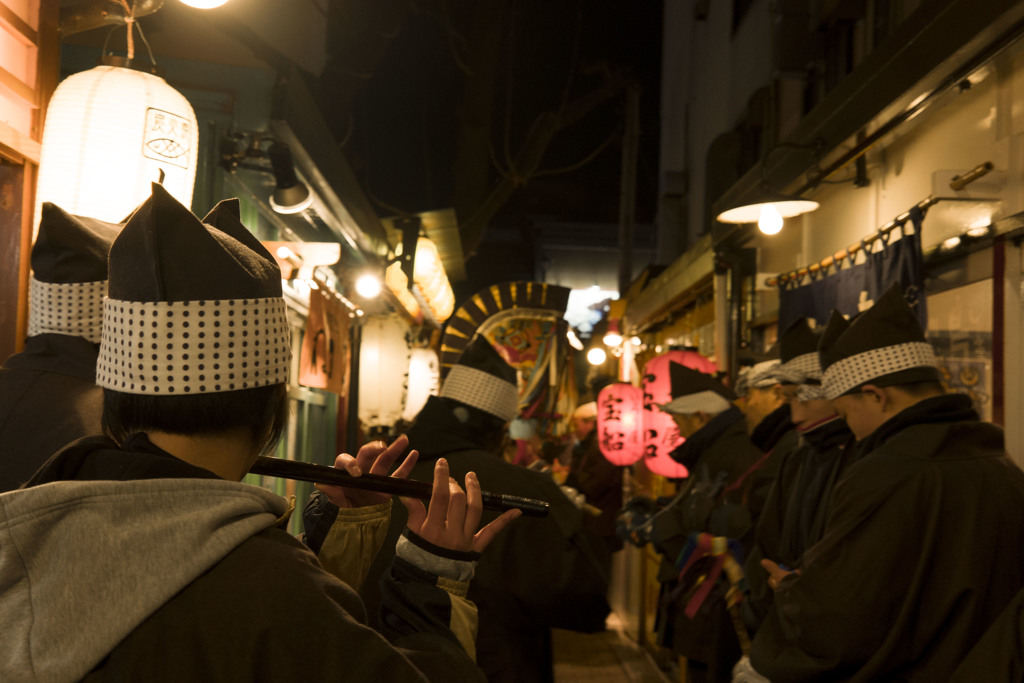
point(962, 130)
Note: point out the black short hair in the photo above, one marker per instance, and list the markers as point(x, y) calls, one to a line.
point(263, 411)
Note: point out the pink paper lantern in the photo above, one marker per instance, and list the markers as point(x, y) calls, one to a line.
point(661, 436)
point(620, 423)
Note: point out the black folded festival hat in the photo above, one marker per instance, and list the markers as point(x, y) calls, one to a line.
point(193, 306)
point(885, 346)
point(695, 392)
point(798, 349)
point(69, 274)
point(483, 380)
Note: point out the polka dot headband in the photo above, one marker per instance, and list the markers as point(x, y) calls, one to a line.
point(193, 347)
point(860, 368)
point(74, 309)
point(482, 390)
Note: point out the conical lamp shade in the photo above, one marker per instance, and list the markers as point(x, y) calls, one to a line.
point(787, 206)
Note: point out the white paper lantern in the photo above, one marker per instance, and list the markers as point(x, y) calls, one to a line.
point(383, 366)
point(109, 132)
point(424, 381)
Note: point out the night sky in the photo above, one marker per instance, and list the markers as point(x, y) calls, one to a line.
point(401, 134)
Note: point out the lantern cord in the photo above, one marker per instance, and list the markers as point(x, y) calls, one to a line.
point(131, 23)
point(146, 43)
point(129, 20)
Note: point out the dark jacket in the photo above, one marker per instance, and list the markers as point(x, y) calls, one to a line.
point(793, 518)
point(129, 564)
point(48, 398)
point(717, 500)
point(537, 574)
point(600, 481)
point(999, 655)
point(922, 549)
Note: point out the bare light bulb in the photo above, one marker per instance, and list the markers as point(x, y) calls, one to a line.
point(368, 286)
point(596, 356)
point(770, 222)
point(612, 339)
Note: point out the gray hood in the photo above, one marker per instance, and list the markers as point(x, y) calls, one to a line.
point(82, 563)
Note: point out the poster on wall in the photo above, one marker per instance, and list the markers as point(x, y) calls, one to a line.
point(324, 355)
point(854, 288)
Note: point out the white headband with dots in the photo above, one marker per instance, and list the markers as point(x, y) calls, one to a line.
point(74, 308)
point(193, 347)
point(482, 390)
point(861, 368)
point(804, 365)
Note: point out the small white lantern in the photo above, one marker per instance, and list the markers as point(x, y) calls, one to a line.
point(383, 365)
point(109, 133)
point(424, 381)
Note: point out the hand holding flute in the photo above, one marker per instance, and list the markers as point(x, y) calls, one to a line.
point(341, 477)
point(375, 458)
point(454, 513)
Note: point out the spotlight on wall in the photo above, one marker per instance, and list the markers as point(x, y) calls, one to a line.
point(290, 194)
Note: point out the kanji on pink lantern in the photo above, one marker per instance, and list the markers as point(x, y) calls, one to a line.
point(661, 436)
point(620, 434)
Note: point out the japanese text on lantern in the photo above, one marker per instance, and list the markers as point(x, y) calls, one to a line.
point(619, 423)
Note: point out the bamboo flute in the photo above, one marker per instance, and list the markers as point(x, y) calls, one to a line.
point(306, 471)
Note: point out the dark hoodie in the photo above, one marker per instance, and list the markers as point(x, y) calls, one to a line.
point(129, 564)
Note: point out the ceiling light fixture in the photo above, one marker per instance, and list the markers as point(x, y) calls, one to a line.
point(768, 208)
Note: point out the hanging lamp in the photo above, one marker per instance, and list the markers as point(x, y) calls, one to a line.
point(768, 208)
point(109, 133)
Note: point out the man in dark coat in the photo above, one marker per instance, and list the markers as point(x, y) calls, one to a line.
point(764, 407)
point(593, 475)
point(924, 541)
point(540, 573)
point(999, 655)
point(769, 422)
point(48, 392)
point(143, 557)
point(715, 499)
point(793, 517)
